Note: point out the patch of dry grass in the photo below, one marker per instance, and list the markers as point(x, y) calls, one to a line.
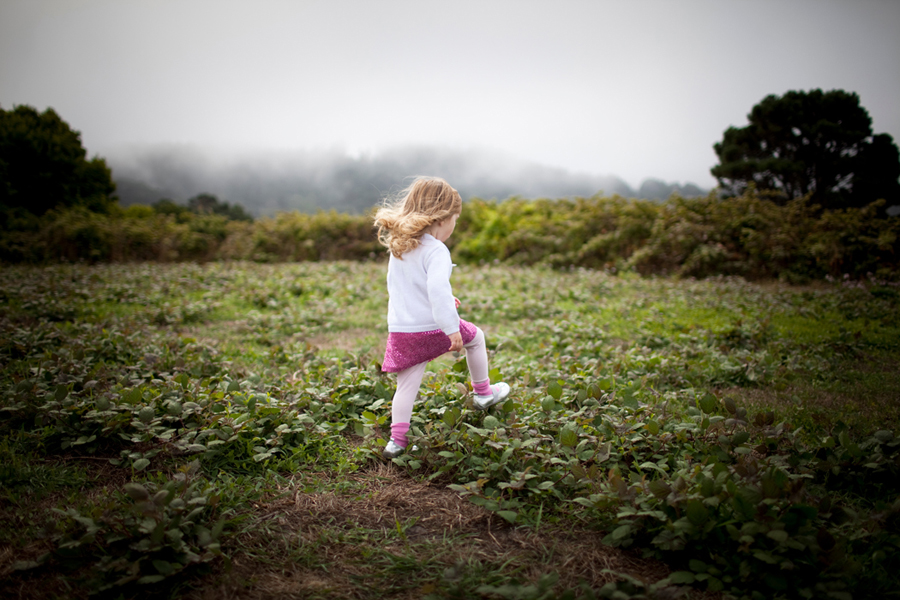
point(394, 537)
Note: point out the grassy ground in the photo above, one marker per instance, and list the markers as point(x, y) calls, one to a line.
point(244, 409)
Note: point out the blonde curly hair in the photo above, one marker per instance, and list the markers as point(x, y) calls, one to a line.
point(402, 222)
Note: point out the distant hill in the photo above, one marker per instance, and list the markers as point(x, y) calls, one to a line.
point(266, 183)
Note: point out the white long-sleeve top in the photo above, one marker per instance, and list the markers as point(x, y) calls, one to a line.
point(419, 291)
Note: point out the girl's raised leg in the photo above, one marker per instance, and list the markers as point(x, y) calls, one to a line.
point(486, 395)
point(477, 360)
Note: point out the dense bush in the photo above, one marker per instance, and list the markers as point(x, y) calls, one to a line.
point(755, 238)
point(139, 233)
point(590, 232)
point(693, 237)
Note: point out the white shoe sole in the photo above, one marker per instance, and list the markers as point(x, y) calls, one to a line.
point(392, 450)
point(499, 395)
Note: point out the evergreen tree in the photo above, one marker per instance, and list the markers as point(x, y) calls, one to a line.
point(43, 165)
point(817, 143)
point(206, 204)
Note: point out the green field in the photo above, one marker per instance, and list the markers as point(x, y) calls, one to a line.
point(214, 431)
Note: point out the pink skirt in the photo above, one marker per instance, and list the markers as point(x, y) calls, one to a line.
point(407, 349)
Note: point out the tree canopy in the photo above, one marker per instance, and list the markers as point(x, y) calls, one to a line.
point(43, 165)
point(205, 204)
point(817, 143)
point(202, 204)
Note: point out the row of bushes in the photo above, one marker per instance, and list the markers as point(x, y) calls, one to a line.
point(697, 237)
point(139, 233)
point(746, 235)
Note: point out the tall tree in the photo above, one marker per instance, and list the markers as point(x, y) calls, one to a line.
point(817, 143)
point(205, 204)
point(43, 164)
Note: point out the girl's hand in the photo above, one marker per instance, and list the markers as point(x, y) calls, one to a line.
point(456, 343)
point(455, 299)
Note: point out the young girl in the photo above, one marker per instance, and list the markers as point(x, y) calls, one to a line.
point(422, 318)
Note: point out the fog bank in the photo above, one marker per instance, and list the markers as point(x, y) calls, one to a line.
point(268, 182)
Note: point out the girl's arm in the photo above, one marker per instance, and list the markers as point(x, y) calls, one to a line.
point(438, 267)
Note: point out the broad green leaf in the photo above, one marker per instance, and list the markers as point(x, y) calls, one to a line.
point(659, 488)
point(603, 452)
point(163, 567)
point(697, 566)
point(884, 436)
point(61, 392)
point(24, 565)
point(696, 512)
point(555, 390)
point(141, 464)
point(133, 396)
point(451, 416)
point(509, 515)
point(766, 557)
point(844, 439)
point(568, 437)
point(778, 535)
point(137, 492)
point(491, 422)
point(217, 528)
point(681, 577)
point(146, 415)
point(708, 403)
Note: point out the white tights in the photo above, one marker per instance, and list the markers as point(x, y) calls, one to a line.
point(409, 380)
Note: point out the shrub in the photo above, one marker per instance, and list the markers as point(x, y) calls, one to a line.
point(748, 236)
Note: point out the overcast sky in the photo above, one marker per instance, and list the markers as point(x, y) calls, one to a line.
point(636, 89)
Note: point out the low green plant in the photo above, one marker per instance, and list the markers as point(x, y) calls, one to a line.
point(653, 412)
point(152, 531)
